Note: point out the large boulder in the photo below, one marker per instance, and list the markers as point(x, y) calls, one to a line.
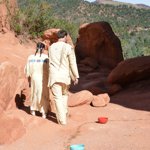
point(80, 98)
point(130, 70)
point(6, 11)
point(100, 100)
point(8, 81)
point(50, 36)
point(98, 41)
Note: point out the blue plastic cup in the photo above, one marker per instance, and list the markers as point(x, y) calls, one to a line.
point(77, 147)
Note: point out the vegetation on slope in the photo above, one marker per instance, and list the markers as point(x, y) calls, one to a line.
point(130, 24)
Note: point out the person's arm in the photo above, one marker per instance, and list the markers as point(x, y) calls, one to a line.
point(76, 81)
point(73, 66)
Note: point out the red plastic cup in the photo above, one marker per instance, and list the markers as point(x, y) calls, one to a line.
point(102, 120)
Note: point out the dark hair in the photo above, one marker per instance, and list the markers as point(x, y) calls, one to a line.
point(61, 34)
point(40, 46)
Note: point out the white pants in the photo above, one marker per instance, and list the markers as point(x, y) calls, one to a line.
point(60, 93)
point(39, 95)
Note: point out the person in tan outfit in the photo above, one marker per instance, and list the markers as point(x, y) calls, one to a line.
point(62, 69)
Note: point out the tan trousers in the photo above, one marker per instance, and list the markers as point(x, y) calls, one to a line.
point(60, 93)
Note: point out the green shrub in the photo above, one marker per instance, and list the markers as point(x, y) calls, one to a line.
point(132, 25)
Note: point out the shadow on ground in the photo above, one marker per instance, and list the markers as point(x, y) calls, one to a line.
point(136, 96)
point(20, 100)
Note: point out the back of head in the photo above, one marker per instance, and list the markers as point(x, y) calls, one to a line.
point(39, 48)
point(40, 45)
point(61, 34)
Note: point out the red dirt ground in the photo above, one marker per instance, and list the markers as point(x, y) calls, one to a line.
point(128, 127)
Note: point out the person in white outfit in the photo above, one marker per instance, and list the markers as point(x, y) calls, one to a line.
point(62, 68)
point(37, 70)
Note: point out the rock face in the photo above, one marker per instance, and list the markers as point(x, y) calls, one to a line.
point(51, 36)
point(6, 14)
point(80, 98)
point(12, 129)
point(85, 97)
point(8, 81)
point(130, 70)
point(100, 100)
point(13, 57)
point(98, 41)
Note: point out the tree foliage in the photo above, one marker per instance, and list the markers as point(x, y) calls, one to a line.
point(130, 24)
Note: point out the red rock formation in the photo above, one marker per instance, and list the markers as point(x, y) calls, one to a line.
point(113, 88)
point(8, 81)
point(130, 70)
point(12, 129)
point(12, 58)
point(100, 100)
point(51, 36)
point(98, 41)
point(6, 14)
point(85, 97)
point(80, 98)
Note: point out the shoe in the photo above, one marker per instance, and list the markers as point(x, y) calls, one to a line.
point(63, 123)
point(44, 115)
point(32, 112)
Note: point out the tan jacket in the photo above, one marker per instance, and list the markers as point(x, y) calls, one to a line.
point(62, 63)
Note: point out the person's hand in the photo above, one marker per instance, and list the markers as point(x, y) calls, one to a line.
point(76, 81)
